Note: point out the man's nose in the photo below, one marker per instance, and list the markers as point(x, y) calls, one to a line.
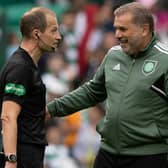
point(59, 36)
point(118, 34)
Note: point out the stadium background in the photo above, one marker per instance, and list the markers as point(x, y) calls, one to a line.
point(88, 34)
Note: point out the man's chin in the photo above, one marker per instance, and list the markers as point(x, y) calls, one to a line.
point(125, 50)
point(51, 49)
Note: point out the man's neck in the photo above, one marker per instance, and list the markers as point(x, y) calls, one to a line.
point(32, 50)
point(147, 41)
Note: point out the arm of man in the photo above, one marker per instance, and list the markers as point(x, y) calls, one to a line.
point(87, 95)
point(10, 113)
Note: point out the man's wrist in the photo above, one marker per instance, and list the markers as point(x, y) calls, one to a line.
point(50, 108)
point(12, 158)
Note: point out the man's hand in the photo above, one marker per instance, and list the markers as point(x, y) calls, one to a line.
point(47, 115)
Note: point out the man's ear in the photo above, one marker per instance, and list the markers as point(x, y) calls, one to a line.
point(35, 34)
point(146, 29)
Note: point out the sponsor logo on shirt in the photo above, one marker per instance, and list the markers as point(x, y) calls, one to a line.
point(16, 89)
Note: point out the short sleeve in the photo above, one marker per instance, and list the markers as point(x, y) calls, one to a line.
point(17, 83)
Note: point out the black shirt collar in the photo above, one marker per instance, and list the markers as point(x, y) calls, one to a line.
point(27, 56)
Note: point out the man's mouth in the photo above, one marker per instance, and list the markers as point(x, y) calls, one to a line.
point(123, 40)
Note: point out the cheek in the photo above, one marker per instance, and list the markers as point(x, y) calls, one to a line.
point(49, 36)
point(135, 39)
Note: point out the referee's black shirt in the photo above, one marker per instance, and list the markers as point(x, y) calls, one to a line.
point(20, 82)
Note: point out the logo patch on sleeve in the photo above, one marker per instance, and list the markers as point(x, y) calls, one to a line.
point(16, 89)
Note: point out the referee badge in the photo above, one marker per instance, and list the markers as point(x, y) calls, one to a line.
point(149, 67)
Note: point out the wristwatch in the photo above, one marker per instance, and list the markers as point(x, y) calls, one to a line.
point(11, 158)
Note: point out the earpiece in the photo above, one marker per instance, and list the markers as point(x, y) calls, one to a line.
point(37, 35)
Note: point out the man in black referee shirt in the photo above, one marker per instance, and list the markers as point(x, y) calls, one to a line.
point(22, 93)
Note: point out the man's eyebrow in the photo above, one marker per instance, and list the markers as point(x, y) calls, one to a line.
point(120, 27)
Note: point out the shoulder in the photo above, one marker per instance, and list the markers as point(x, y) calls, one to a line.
point(161, 48)
point(115, 48)
point(113, 52)
point(19, 61)
point(17, 66)
point(16, 70)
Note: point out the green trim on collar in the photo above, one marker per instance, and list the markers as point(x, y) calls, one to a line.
point(153, 41)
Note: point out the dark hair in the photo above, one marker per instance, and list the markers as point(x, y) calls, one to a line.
point(34, 19)
point(141, 15)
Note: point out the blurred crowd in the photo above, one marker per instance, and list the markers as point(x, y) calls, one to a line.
point(88, 33)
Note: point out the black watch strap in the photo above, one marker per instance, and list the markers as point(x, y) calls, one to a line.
point(11, 158)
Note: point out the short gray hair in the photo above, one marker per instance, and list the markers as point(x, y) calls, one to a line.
point(141, 15)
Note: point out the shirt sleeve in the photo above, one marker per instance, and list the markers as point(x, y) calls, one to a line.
point(87, 95)
point(17, 83)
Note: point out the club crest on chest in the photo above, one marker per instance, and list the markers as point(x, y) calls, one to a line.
point(149, 67)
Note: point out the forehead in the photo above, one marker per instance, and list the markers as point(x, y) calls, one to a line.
point(51, 20)
point(123, 19)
